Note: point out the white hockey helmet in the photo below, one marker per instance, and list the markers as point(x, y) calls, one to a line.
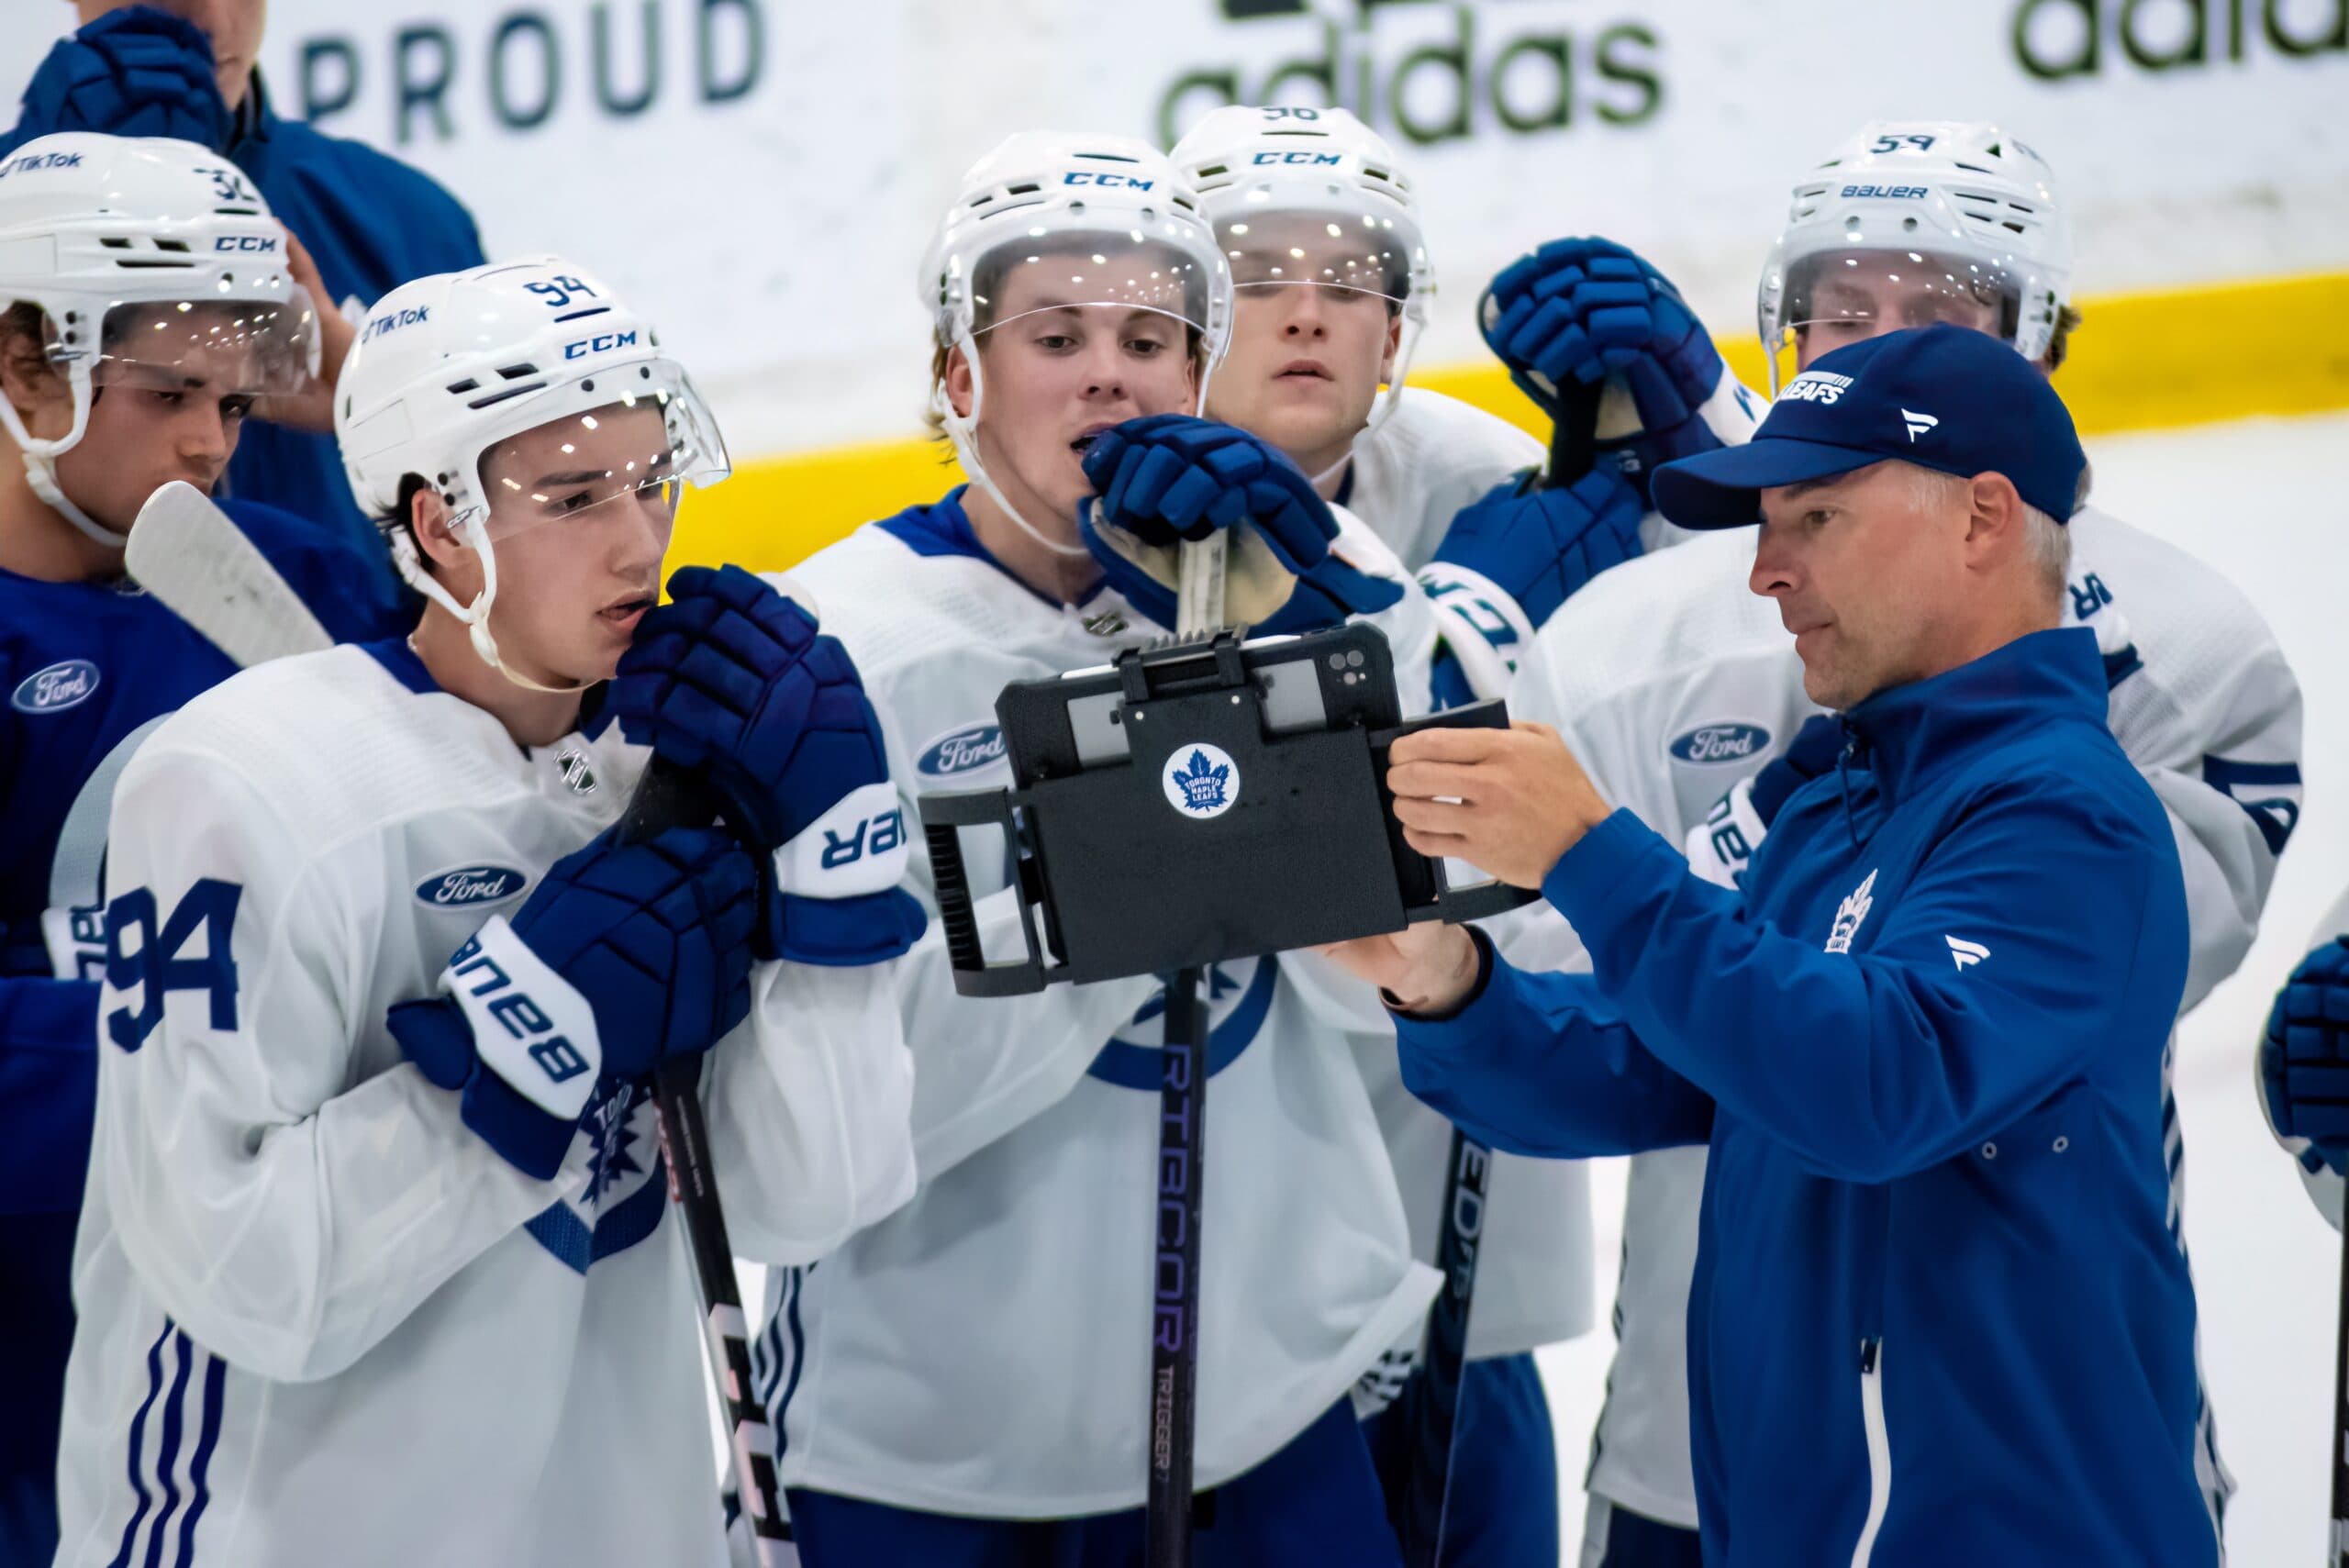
point(1961, 207)
point(1114, 207)
point(452, 371)
point(147, 258)
point(1250, 163)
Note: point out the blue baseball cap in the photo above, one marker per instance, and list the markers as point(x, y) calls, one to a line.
point(1942, 397)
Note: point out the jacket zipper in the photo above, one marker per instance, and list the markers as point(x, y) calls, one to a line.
point(1879, 1448)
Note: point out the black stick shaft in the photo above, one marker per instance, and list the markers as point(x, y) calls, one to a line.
point(1435, 1391)
point(1437, 1407)
point(668, 798)
point(1175, 1278)
point(2337, 1547)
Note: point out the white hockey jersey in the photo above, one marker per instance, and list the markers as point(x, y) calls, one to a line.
point(985, 1351)
point(1672, 682)
point(1409, 478)
point(321, 1322)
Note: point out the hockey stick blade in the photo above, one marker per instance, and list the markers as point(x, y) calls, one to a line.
point(185, 551)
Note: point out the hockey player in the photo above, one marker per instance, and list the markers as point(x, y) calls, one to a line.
point(190, 69)
point(120, 375)
point(1331, 287)
point(2302, 1054)
point(966, 1381)
point(1673, 681)
point(373, 1267)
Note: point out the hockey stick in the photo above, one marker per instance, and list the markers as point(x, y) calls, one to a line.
point(185, 551)
point(1468, 1166)
point(201, 567)
point(2337, 1552)
point(1182, 1126)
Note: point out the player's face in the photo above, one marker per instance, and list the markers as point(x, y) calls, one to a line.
point(1057, 375)
point(1877, 293)
point(579, 535)
point(150, 425)
point(1861, 577)
point(1307, 357)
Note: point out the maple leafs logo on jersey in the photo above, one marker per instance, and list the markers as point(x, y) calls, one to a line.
point(625, 1195)
point(1849, 915)
point(1202, 784)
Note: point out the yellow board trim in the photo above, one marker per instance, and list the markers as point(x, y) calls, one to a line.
point(2142, 361)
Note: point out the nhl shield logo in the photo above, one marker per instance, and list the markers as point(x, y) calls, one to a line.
point(1200, 781)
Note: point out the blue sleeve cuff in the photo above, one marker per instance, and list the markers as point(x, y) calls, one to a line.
point(841, 933)
point(434, 1035)
point(1587, 884)
point(1454, 1034)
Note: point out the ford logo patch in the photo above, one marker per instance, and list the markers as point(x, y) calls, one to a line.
point(61, 686)
point(469, 884)
point(963, 750)
point(1719, 743)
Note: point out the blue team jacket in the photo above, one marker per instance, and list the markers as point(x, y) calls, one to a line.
point(1937, 1310)
point(370, 223)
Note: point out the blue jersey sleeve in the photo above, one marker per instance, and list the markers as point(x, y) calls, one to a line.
point(1874, 1064)
point(49, 1082)
point(1543, 1066)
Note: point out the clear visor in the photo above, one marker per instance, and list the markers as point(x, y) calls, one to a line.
point(1057, 268)
point(1838, 297)
point(1358, 255)
point(641, 450)
point(230, 348)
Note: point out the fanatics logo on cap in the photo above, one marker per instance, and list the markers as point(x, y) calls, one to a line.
point(1918, 424)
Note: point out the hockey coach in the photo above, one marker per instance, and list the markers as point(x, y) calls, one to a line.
point(1937, 1315)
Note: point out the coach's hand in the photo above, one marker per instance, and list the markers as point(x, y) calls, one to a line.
point(1422, 969)
point(1508, 801)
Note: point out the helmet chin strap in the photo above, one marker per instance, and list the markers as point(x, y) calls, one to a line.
point(474, 616)
point(41, 472)
point(41, 460)
point(962, 430)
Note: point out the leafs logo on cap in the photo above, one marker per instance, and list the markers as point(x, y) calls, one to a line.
point(1816, 386)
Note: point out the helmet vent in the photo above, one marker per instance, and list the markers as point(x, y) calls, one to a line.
point(468, 384)
point(178, 245)
point(516, 373)
point(582, 314)
point(1029, 189)
point(1107, 157)
point(502, 397)
point(115, 242)
point(1213, 170)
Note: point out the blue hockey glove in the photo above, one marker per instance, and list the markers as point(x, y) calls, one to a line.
point(1167, 478)
point(1582, 309)
point(731, 681)
point(2304, 1061)
point(622, 956)
point(1538, 545)
point(136, 72)
point(1509, 559)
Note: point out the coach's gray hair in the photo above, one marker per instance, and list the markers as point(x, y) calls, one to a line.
point(2048, 542)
